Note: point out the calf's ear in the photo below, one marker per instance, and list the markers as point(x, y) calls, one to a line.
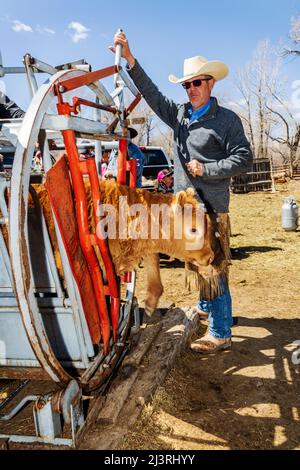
point(190, 192)
point(180, 198)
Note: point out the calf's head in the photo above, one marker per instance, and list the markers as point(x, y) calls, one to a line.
point(196, 244)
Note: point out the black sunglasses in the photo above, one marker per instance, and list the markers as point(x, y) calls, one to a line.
point(197, 82)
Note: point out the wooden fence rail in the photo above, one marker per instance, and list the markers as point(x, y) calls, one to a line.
point(262, 176)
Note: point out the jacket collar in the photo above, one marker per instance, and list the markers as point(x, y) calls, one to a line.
point(211, 113)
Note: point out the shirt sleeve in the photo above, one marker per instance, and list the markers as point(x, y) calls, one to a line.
point(239, 155)
point(137, 154)
point(165, 108)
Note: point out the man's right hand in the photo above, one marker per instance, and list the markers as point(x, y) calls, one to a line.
point(120, 38)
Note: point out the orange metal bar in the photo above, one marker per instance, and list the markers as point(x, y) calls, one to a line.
point(80, 101)
point(123, 165)
point(84, 235)
point(76, 170)
point(112, 126)
point(122, 159)
point(128, 110)
point(58, 185)
point(132, 105)
point(86, 79)
point(133, 171)
point(83, 167)
point(101, 242)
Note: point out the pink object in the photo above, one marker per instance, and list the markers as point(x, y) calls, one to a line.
point(161, 175)
point(103, 169)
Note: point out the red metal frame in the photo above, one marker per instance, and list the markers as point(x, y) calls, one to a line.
point(84, 234)
point(134, 103)
point(122, 161)
point(58, 185)
point(64, 86)
point(122, 156)
point(77, 102)
point(101, 242)
point(77, 169)
point(132, 169)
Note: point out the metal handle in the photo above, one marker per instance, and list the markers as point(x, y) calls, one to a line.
point(120, 99)
point(118, 51)
point(118, 57)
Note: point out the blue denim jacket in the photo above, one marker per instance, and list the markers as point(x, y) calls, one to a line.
point(217, 140)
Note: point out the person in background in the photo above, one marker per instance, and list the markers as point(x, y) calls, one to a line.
point(37, 163)
point(165, 181)
point(133, 151)
point(104, 162)
point(9, 109)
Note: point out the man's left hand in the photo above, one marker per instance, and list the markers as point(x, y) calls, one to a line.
point(195, 168)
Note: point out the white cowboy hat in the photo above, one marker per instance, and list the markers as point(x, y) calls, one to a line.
point(199, 65)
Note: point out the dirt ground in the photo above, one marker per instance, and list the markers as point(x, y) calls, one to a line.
point(249, 397)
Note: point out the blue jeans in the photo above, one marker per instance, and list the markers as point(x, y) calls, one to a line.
point(219, 315)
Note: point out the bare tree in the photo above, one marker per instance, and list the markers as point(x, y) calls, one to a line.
point(145, 129)
point(294, 35)
point(164, 138)
point(256, 83)
point(289, 137)
point(243, 85)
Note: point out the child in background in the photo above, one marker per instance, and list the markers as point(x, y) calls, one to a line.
point(104, 162)
point(165, 181)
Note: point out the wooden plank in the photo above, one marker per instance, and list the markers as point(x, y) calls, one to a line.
point(258, 172)
point(127, 375)
point(23, 373)
point(145, 341)
point(177, 328)
point(115, 400)
point(253, 183)
point(259, 182)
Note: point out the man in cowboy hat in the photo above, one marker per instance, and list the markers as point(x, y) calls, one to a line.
point(211, 147)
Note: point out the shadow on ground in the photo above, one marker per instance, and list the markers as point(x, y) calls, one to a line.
point(246, 398)
point(246, 251)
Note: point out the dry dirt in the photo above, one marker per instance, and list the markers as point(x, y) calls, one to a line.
point(249, 397)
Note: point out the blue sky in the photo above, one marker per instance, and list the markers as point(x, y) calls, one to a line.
point(162, 33)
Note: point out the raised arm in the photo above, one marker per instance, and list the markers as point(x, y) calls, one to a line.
point(165, 108)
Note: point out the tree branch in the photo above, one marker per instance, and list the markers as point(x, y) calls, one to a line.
point(284, 120)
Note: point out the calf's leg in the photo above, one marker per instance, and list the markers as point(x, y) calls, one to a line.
point(154, 285)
